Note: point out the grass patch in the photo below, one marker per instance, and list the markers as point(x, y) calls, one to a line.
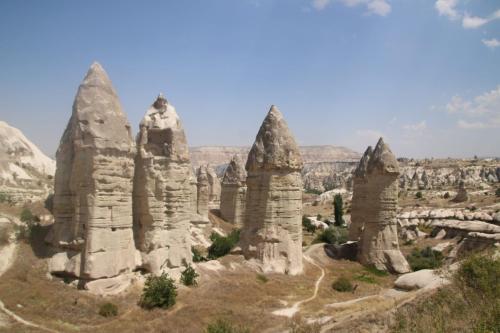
point(224, 326)
point(342, 284)
point(471, 303)
point(365, 277)
point(425, 259)
point(262, 278)
point(108, 310)
point(377, 272)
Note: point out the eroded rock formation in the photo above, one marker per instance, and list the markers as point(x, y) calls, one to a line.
point(359, 197)
point(214, 188)
point(162, 190)
point(234, 190)
point(272, 232)
point(462, 195)
point(379, 245)
point(203, 191)
point(93, 186)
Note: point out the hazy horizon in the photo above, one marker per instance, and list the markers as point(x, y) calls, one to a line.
point(424, 75)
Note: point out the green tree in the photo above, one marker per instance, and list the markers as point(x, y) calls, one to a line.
point(338, 210)
point(159, 291)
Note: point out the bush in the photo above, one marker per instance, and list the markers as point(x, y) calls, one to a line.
point(419, 195)
point(332, 235)
point(342, 284)
point(262, 278)
point(364, 277)
point(224, 326)
point(319, 217)
point(447, 195)
point(338, 210)
point(188, 276)
point(108, 310)
point(497, 192)
point(314, 191)
point(27, 216)
point(425, 259)
point(197, 257)
point(49, 203)
point(159, 291)
point(222, 245)
point(306, 223)
point(375, 271)
point(481, 274)
point(5, 198)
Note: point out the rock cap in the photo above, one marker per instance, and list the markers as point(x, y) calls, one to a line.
point(235, 172)
point(383, 160)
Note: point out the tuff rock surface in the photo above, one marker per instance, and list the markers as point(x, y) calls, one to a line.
point(203, 191)
point(360, 196)
point(234, 190)
point(272, 232)
point(93, 186)
point(214, 188)
point(162, 190)
point(378, 244)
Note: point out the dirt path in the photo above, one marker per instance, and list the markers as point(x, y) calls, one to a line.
point(291, 311)
point(7, 256)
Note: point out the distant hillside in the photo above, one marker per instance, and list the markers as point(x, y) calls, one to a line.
point(219, 155)
point(24, 170)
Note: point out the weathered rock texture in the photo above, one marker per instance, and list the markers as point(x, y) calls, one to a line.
point(462, 195)
point(379, 245)
point(234, 190)
point(272, 231)
point(214, 188)
point(93, 185)
point(203, 191)
point(360, 196)
point(162, 190)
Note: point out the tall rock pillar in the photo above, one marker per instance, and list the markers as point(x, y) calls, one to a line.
point(93, 185)
point(233, 194)
point(379, 244)
point(272, 232)
point(359, 196)
point(162, 190)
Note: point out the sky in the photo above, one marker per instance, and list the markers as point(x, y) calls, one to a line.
point(424, 74)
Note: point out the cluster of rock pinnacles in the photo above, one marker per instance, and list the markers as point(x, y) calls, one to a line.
point(122, 205)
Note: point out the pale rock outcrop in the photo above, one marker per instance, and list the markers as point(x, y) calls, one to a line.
point(359, 196)
point(214, 188)
point(422, 279)
point(379, 245)
point(272, 232)
point(162, 190)
point(203, 191)
point(234, 191)
point(93, 186)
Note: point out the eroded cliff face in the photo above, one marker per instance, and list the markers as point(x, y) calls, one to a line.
point(272, 232)
point(93, 186)
point(379, 244)
point(162, 190)
point(234, 190)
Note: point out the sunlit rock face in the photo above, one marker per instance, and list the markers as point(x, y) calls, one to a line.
point(93, 185)
point(162, 190)
point(214, 188)
point(272, 232)
point(379, 245)
point(359, 197)
point(234, 190)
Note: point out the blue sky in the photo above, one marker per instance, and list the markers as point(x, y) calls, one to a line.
point(425, 74)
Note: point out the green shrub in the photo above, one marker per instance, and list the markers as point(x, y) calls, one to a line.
point(314, 191)
point(159, 291)
point(338, 210)
point(224, 326)
point(188, 276)
point(5, 198)
point(342, 284)
point(222, 245)
point(306, 223)
point(27, 216)
point(332, 235)
point(375, 271)
point(481, 274)
point(197, 257)
point(419, 195)
point(319, 217)
point(497, 192)
point(425, 259)
point(108, 310)
point(447, 195)
point(49, 203)
point(262, 278)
